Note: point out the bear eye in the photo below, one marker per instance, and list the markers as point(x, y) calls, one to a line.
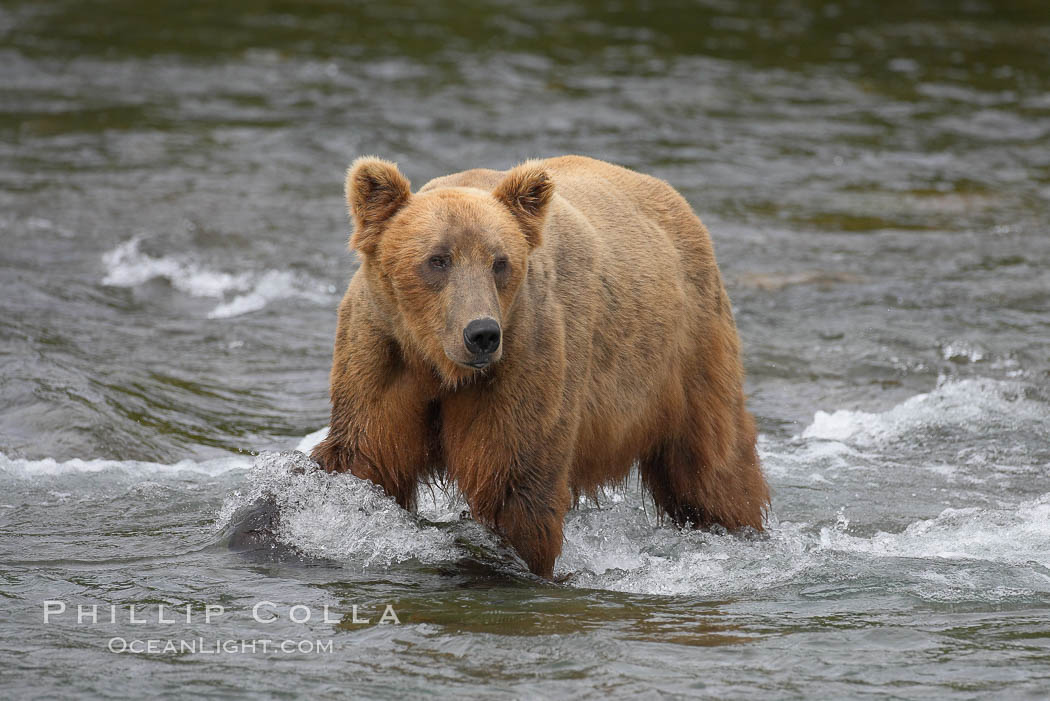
point(438, 262)
point(499, 266)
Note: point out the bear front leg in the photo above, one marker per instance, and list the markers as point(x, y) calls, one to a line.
point(523, 495)
point(531, 520)
point(382, 436)
point(508, 445)
point(396, 469)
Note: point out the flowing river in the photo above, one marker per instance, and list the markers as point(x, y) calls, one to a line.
point(876, 178)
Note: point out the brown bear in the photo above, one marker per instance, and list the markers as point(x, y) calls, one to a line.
point(530, 335)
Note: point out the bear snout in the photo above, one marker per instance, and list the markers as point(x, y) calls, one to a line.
point(482, 339)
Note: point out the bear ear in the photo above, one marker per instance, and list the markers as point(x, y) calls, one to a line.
point(375, 190)
point(527, 191)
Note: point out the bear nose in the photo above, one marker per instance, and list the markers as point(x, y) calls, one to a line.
point(482, 336)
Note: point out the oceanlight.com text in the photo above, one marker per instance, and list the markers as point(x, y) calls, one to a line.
point(202, 646)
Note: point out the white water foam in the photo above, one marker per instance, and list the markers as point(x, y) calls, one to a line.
point(971, 406)
point(950, 556)
point(338, 516)
point(963, 352)
point(1017, 535)
point(127, 266)
point(29, 469)
point(241, 293)
point(310, 440)
point(623, 547)
point(619, 549)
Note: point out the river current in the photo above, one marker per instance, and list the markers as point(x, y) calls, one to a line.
point(876, 178)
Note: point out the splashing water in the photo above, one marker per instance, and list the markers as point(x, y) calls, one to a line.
point(243, 293)
point(620, 544)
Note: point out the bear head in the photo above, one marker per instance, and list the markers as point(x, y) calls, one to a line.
point(447, 264)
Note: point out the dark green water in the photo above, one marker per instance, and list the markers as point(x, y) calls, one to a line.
point(876, 177)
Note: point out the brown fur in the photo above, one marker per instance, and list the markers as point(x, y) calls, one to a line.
point(618, 347)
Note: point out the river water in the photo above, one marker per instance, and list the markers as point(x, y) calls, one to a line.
point(876, 177)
